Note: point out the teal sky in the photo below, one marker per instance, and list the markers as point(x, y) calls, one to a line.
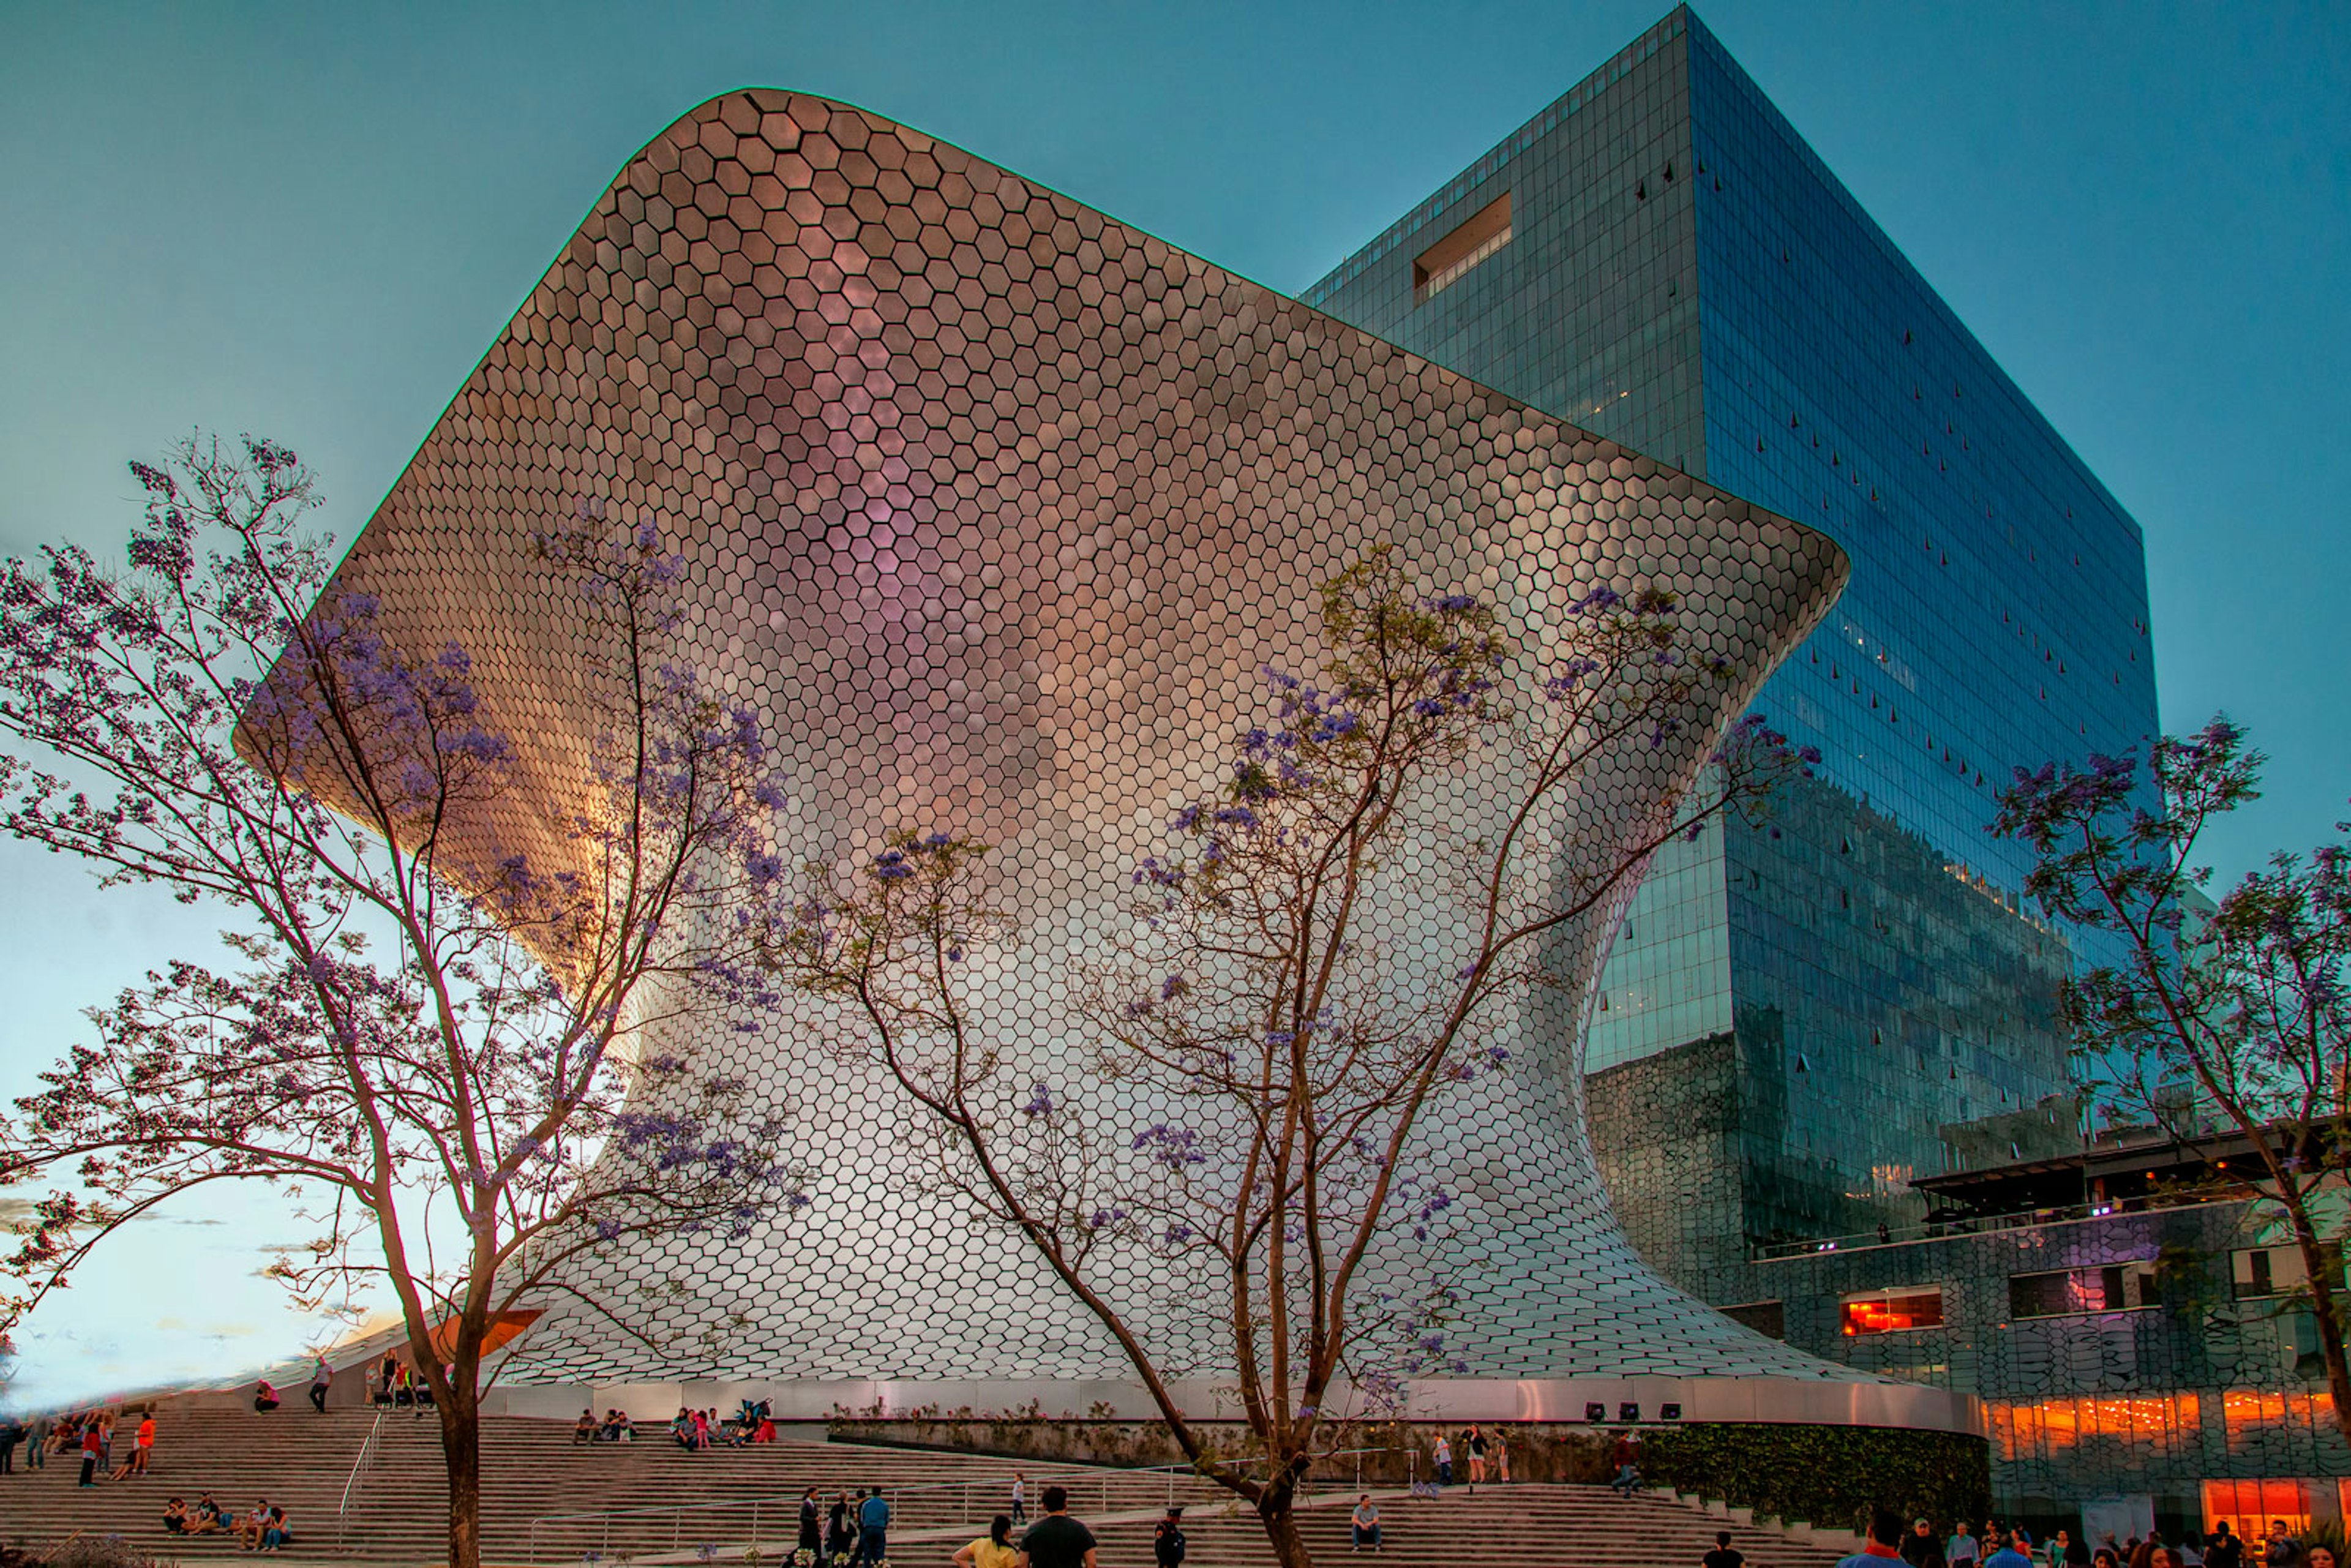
point(310, 221)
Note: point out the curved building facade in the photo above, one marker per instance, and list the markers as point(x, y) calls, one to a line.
point(996, 508)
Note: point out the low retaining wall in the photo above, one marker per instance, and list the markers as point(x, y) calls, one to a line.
point(1825, 1475)
point(1562, 1400)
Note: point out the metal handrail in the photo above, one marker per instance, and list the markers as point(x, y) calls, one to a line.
point(359, 1468)
point(788, 1506)
point(1978, 1225)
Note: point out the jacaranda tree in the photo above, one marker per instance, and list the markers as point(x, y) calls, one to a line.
point(1286, 1049)
point(424, 1028)
point(2234, 1014)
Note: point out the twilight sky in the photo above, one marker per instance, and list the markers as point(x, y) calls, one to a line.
point(311, 222)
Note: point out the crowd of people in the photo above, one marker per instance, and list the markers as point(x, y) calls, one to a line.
point(693, 1430)
point(92, 1434)
point(1921, 1545)
point(89, 1433)
point(854, 1527)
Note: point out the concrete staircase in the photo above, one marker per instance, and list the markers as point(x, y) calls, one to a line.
point(1502, 1527)
point(653, 1499)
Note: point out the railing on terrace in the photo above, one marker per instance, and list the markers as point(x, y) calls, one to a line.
point(1982, 1225)
point(761, 1523)
point(358, 1471)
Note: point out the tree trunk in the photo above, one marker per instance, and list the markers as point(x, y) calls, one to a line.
point(461, 1452)
point(1277, 1511)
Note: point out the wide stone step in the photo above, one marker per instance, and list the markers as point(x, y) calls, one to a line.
point(653, 1499)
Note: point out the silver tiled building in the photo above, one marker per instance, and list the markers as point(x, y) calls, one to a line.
point(995, 508)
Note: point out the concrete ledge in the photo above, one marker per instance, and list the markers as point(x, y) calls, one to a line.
point(1772, 1400)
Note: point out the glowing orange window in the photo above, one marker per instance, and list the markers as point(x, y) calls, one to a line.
point(2248, 1506)
point(1893, 1312)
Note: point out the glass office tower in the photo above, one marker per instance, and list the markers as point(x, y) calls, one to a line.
point(1797, 1008)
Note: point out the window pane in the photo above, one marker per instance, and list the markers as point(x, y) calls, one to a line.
point(1892, 1313)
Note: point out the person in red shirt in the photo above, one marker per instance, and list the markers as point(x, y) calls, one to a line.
point(1885, 1541)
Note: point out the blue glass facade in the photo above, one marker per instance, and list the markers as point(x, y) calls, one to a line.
point(1684, 275)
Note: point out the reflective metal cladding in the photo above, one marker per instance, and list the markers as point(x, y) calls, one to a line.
point(995, 507)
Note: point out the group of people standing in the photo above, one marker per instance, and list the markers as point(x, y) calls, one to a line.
point(1480, 1449)
point(1998, 1546)
point(857, 1528)
point(1056, 1539)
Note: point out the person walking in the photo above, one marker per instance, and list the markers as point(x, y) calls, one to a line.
point(1922, 1548)
point(811, 1525)
point(323, 1377)
point(1020, 1499)
point(993, 1550)
point(93, 1449)
point(873, 1526)
point(12, 1432)
point(1627, 1456)
point(1168, 1540)
point(1057, 1541)
point(1444, 1461)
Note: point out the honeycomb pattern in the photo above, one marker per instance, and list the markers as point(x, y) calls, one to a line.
point(995, 507)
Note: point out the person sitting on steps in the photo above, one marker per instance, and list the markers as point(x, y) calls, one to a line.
point(1363, 1525)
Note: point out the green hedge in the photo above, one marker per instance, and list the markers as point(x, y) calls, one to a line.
point(1828, 1475)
